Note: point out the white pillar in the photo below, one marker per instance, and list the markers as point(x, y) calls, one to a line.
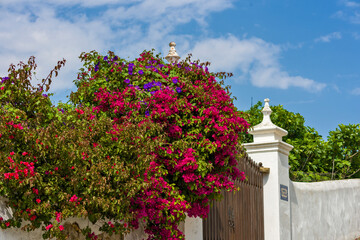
point(269, 149)
point(193, 228)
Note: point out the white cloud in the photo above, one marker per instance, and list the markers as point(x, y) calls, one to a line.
point(352, 4)
point(85, 3)
point(355, 18)
point(329, 37)
point(50, 30)
point(49, 39)
point(350, 12)
point(356, 91)
point(254, 59)
point(165, 15)
point(356, 35)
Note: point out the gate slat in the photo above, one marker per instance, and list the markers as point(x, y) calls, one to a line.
point(239, 215)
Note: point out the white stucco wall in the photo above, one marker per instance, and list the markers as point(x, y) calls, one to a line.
point(18, 234)
point(192, 227)
point(327, 210)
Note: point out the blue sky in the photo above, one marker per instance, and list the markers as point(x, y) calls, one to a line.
point(304, 55)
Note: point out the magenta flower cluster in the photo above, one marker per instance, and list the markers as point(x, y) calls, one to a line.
point(200, 123)
point(140, 142)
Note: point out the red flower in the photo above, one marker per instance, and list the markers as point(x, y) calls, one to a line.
point(61, 227)
point(36, 191)
point(49, 226)
point(73, 198)
point(38, 200)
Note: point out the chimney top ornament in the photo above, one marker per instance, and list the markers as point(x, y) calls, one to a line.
point(172, 56)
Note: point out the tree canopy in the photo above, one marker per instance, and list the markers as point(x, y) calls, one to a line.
point(313, 158)
point(139, 140)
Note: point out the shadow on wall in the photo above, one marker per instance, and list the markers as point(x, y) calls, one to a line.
point(325, 210)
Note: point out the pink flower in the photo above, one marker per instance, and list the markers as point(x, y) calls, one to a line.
point(7, 224)
point(79, 111)
point(25, 153)
point(49, 226)
point(38, 200)
point(12, 153)
point(58, 216)
point(61, 227)
point(73, 198)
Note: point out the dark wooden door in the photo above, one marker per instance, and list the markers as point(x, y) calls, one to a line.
point(239, 215)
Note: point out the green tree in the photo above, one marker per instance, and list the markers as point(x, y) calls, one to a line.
point(313, 158)
point(345, 145)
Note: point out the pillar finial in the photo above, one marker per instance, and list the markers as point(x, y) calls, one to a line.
point(267, 130)
point(172, 56)
point(266, 113)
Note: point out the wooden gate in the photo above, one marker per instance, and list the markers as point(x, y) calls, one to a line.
point(239, 215)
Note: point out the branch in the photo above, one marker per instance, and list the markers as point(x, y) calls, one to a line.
point(354, 173)
point(354, 154)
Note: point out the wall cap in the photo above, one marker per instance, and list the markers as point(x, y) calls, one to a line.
point(271, 146)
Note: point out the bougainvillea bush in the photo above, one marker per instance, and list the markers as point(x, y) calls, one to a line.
point(140, 141)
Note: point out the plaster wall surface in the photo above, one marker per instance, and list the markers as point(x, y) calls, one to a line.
point(271, 186)
point(274, 155)
point(71, 226)
point(327, 210)
point(193, 229)
point(284, 205)
point(73, 232)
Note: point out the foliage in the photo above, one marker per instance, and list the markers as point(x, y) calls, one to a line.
point(294, 123)
point(138, 141)
point(313, 158)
